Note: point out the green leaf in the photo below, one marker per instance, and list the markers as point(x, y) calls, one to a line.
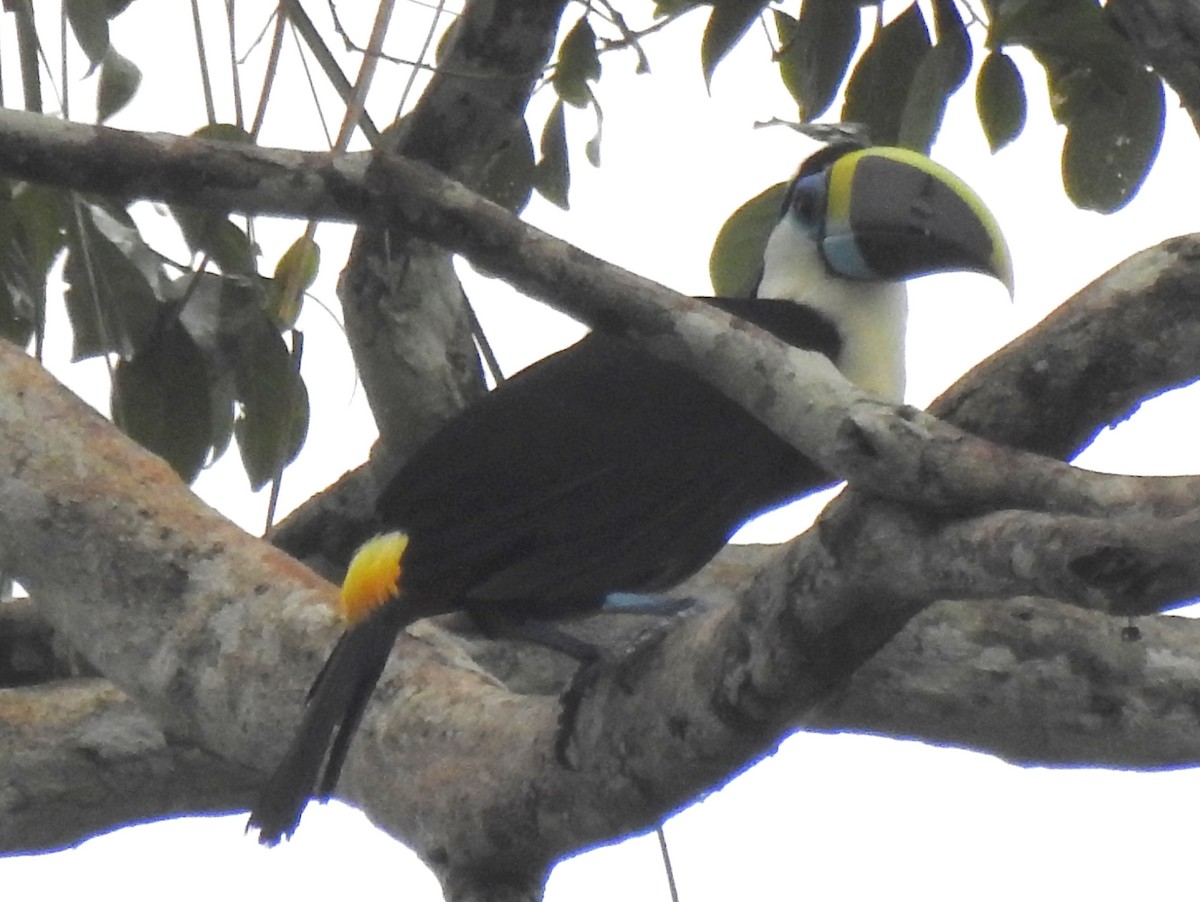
point(509, 177)
point(1113, 137)
point(553, 169)
point(18, 311)
point(1074, 28)
point(273, 420)
point(15, 325)
point(223, 393)
point(210, 232)
point(41, 214)
point(1112, 106)
point(1000, 99)
point(591, 150)
point(729, 21)
point(663, 8)
point(816, 51)
point(119, 80)
point(735, 265)
point(216, 312)
point(89, 22)
point(294, 275)
point(114, 286)
point(933, 83)
point(952, 35)
point(877, 92)
point(204, 312)
point(160, 398)
point(33, 226)
point(224, 131)
point(578, 63)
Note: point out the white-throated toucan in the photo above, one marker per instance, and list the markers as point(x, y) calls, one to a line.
point(602, 469)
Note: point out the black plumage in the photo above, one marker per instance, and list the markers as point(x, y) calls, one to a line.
point(597, 469)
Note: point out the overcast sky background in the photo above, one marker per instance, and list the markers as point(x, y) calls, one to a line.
point(834, 817)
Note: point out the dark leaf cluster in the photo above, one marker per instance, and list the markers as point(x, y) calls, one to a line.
point(201, 357)
point(1113, 107)
point(577, 67)
point(119, 76)
point(897, 86)
point(899, 83)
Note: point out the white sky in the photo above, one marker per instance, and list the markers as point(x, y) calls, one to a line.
point(833, 817)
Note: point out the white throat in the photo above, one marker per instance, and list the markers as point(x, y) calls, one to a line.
point(869, 316)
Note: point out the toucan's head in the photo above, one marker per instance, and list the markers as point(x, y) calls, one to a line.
point(858, 221)
point(886, 213)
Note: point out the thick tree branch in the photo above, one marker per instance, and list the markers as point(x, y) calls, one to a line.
point(1029, 679)
point(895, 452)
point(79, 757)
point(1035, 682)
point(1132, 333)
point(481, 798)
point(1122, 565)
point(219, 635)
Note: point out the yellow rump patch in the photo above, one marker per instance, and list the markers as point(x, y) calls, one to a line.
point(373, 576)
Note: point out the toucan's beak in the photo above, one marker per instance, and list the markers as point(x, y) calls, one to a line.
point(894, 214)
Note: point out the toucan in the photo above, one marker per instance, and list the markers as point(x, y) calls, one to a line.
point(603, 472)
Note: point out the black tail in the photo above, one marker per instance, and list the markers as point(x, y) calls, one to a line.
point(335, 706)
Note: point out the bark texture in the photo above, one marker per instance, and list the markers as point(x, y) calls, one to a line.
point(405, 310)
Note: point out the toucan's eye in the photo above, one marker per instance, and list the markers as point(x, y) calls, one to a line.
point(807, 201)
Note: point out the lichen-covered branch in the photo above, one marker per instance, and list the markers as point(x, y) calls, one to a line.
point(405, 312)
point(218, 636)
point(1035, 682)
point(831, 421)
point(1131, 334)
point(80, 757)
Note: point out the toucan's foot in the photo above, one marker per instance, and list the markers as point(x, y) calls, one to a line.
point(570, 701)
point(584, 680)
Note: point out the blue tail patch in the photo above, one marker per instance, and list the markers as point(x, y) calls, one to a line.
point(637, 603)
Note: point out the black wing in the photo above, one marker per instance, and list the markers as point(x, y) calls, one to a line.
point(597, 469)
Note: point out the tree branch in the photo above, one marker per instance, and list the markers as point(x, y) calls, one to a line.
point(80, 757)
point(219, 636)
point(1035, 682)
point(1132, 333)
point(896, 452)
point(405, 311)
